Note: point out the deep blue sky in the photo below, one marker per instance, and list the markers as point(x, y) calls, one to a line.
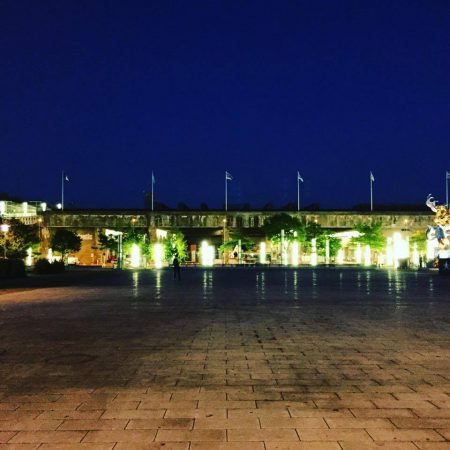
point(111, 90)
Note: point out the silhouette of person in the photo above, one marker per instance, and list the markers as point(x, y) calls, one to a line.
point(176, 268)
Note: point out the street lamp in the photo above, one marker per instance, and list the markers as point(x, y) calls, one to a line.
point(4, 227)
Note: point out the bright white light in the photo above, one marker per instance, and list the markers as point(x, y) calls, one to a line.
point(358, 254)
point(2, 207)
point(313, 260)
point(158, 255)
point(262, 253)
point(415, 256)
point(25, 208)
point(294, 253)
point(401, 250)
point(380, 259)
point(4, 227)
point(327, 251)
point(50, 255)
point(431, 249)
point(28, 259)
point(135, 256)
point(340, 256)
point(59, 206)
point(161, 234)
point(389, 252)
point(207, 254)
point(44, 206)
point(367, 256)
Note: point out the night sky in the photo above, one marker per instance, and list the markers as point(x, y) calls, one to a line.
point(111, 90)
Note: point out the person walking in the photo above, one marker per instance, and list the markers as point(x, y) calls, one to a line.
point(176, 268)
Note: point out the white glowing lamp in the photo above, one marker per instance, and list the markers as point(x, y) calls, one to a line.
point(28, 259)
point(367, 256)
point(313, 260)
point(431, 249)
point(4, 227)
point(340, 256)
point(294, 253)
point(135, 256)
point(262, 253)
point(44, 206)
point(50, 255)
point(25, 208)
point(207, 254)
point(358, 254)
point(158, 255)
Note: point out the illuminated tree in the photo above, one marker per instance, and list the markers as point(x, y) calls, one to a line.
point(246, 243)
point(64, 241)
point(175, 245)
point(19, 238)
point(290, 225)
point(370, 235)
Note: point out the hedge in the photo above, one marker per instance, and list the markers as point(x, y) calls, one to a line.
point(12, 268)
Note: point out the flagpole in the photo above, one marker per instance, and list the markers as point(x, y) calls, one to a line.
point(371, 191)
point(446, 189)
point(226, 193)
point(298, 192)
point(153, 183)
point(62, 190)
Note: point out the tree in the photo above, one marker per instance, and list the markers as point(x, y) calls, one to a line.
point(64, 241)
point(175, 245)
point(182, 206)
point(370, 235)
point(203, 206)
point(419, 238)
point(19, 239)
point(293, 228)
point(246, 243)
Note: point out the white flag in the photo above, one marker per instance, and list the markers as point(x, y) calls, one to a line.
point(448, 175)
point(299, 177)
point(228, 176)
point(372, 178)
point(66, 178)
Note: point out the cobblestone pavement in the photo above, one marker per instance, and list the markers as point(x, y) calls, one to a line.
point(227, 359)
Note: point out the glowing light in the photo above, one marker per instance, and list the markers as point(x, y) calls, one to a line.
point(367, 256)
point(58, 206)
point(25, 208)
point(389, 252)
point(158, 255)
point(415, 256)
point(262, 253)
point(327, 251)
point(401, 250)
point(28, 259)
point(161, 234)
point(380, 259)
point(294, 253)
point(431, 249)
point(340, 256)
point(358, 254)
point(50, 255)
point(135, 256)
point(4, 227)
point(2, 207)
point(313, 261)
point(207, 254)
point(44, 206)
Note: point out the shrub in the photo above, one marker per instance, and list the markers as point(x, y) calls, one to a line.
point(44, 267)
point(12, 268)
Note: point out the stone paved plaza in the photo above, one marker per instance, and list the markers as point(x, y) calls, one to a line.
point(226, 359)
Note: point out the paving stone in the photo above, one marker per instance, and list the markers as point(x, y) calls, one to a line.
point(309, 359)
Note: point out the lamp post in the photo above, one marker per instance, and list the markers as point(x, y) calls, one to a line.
point(4, 227)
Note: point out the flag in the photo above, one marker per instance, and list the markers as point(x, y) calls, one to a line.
point(372, 178)
point(66, 178)
point(299, 177)
point(448, 175)
point(228, 176)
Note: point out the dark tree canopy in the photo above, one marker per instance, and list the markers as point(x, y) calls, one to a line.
point(19, 238)
point(64, 241)
point(293, 228)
